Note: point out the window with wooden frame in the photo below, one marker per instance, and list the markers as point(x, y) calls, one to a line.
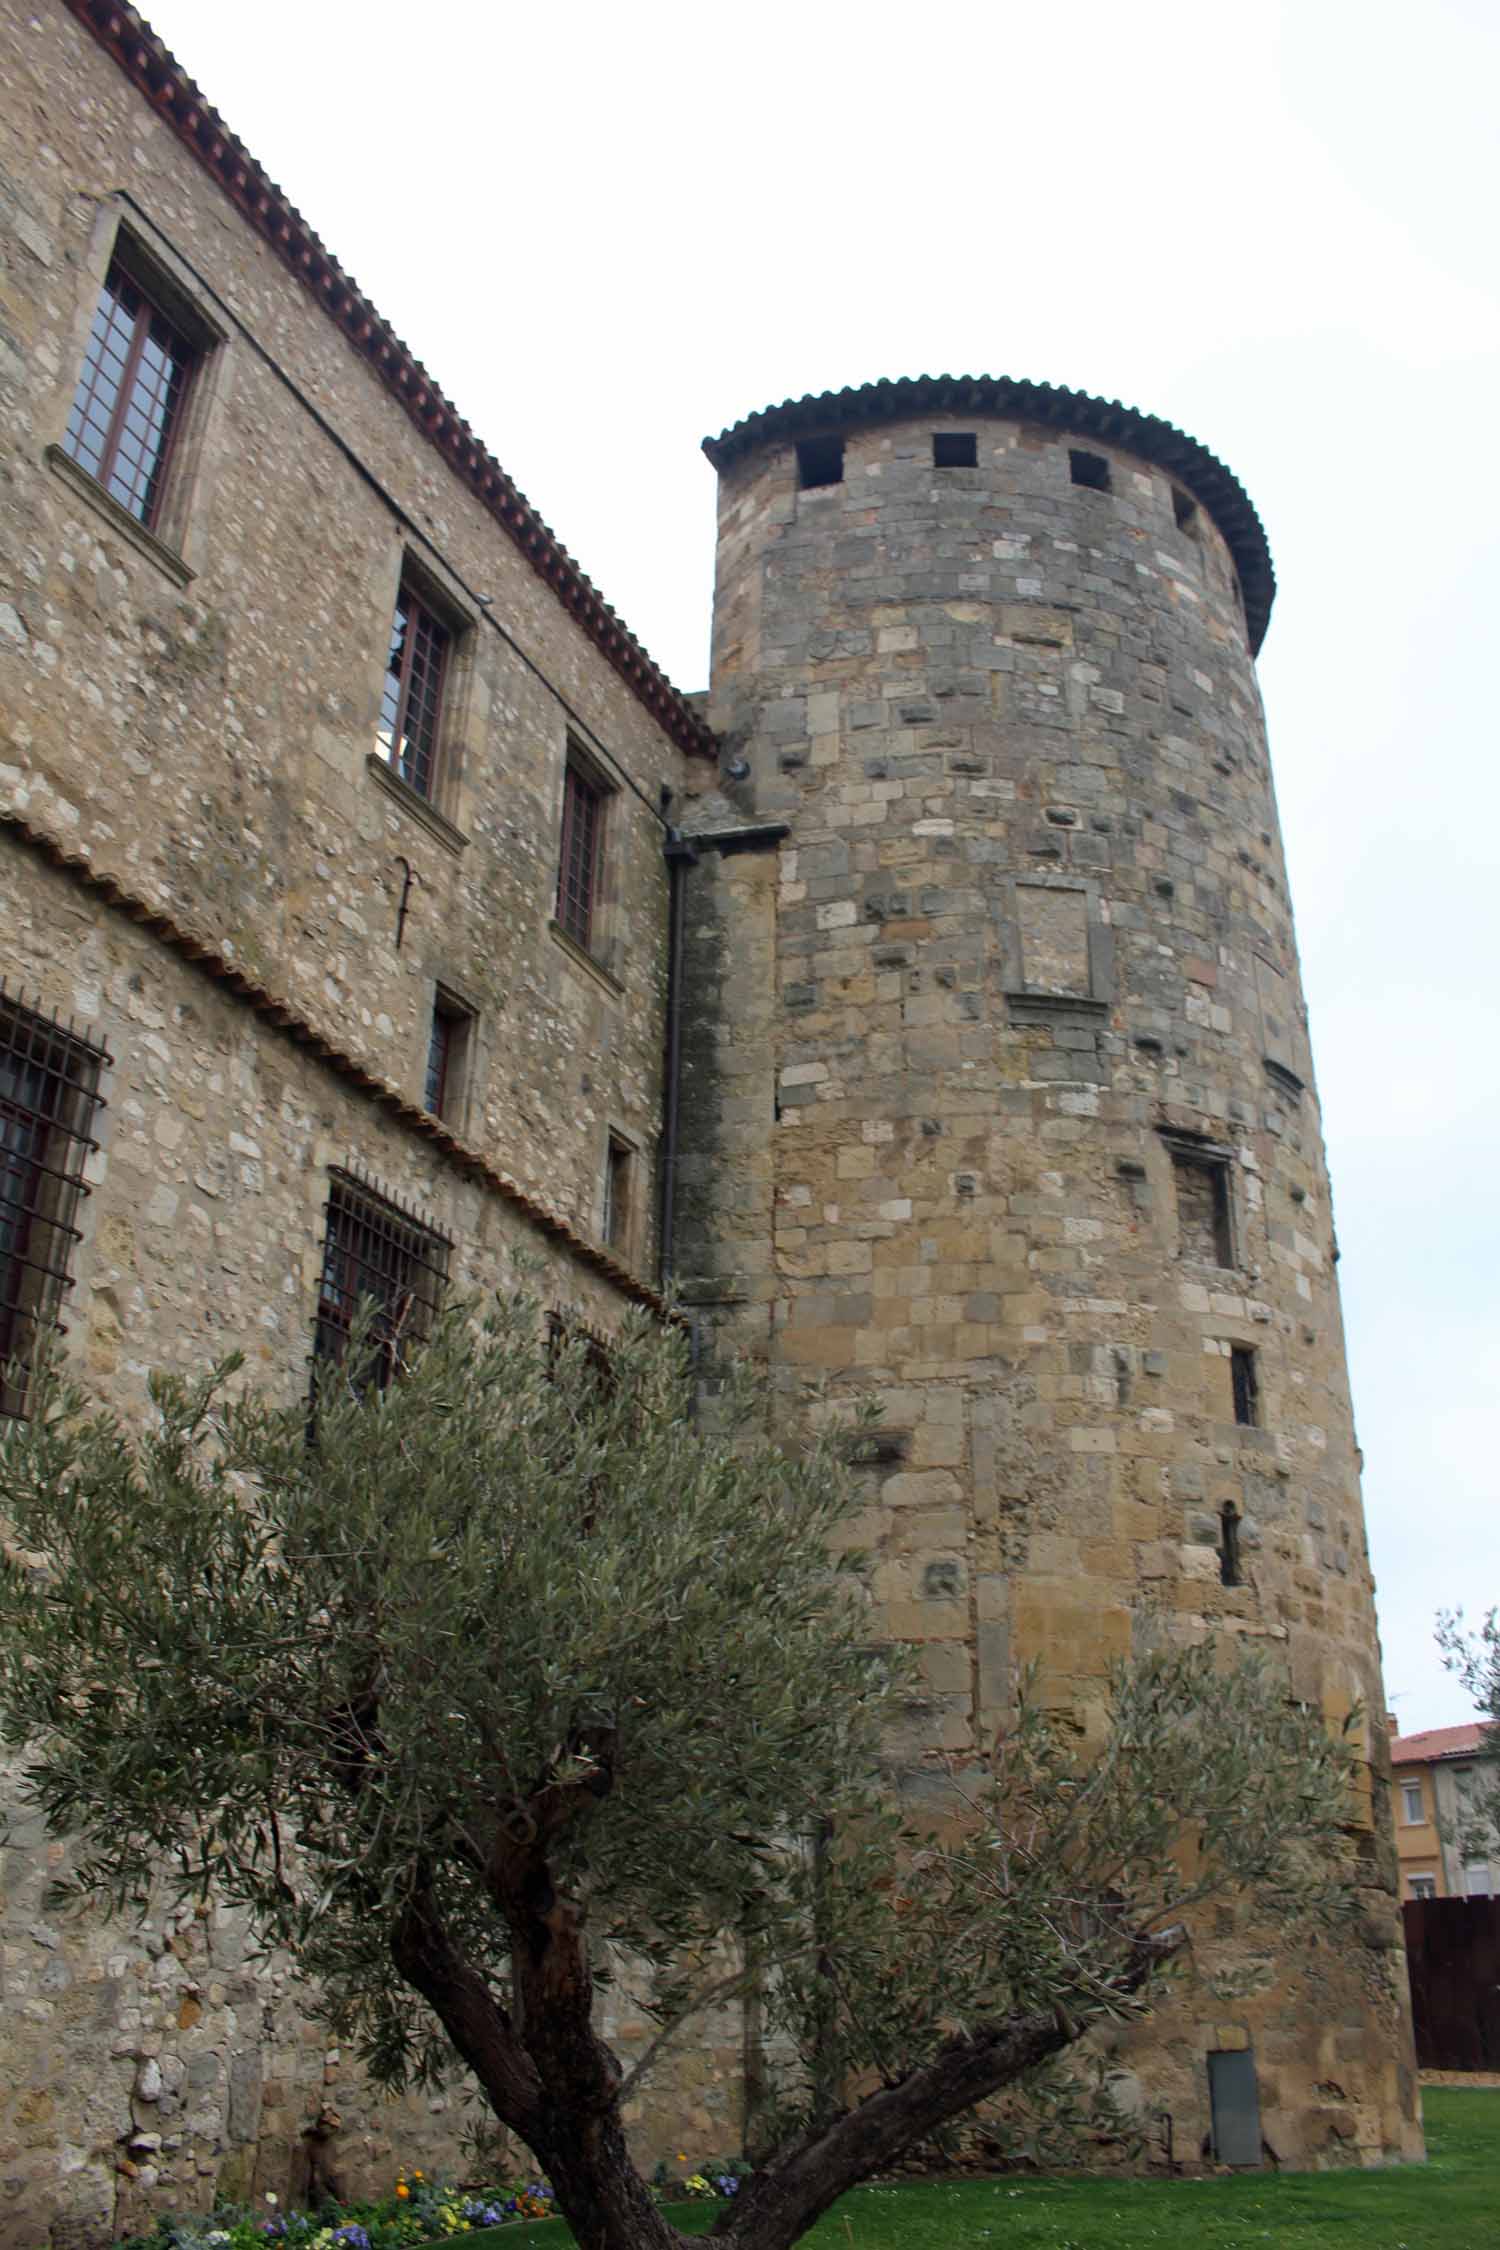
point(580, 857)
point(49, 1097)
point(417, 667)
point(376, 1252)
point(128, 408)
point(446, 1082)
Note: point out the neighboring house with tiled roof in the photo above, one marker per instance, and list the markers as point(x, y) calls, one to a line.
point(1435, 1776)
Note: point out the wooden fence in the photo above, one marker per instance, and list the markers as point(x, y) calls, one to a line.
point(1453, 1959)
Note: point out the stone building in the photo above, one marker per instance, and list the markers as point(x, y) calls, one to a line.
point(923, 1014)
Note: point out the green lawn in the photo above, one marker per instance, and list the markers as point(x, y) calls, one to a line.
point(1450, 2203)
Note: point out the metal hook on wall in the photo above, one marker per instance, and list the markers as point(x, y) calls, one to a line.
point(401, 911)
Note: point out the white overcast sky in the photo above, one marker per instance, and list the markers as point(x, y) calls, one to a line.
point(609, 230)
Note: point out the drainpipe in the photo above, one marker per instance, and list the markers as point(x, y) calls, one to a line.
point(681, 854)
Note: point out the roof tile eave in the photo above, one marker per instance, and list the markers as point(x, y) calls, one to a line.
point(1214, 485)
point(1431, 1744)
point(155, 72)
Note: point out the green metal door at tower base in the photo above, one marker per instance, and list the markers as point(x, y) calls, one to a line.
point(1234, 2104)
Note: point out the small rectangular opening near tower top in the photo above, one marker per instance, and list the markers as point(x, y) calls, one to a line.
point(820, 461)
point(1089, 469)
point(955, 449)
point(1184, 509)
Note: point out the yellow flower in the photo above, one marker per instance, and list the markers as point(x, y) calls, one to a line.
point(402, 2191)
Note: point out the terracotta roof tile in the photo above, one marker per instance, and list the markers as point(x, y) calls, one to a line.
point(154, 71)
point(1438, 1742)
point(1145, 435)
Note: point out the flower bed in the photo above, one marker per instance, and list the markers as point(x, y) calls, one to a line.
point(416, 2212)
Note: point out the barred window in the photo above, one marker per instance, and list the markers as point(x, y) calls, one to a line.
point(578, 862)
point(564, 1330)
point(374, 1249)
point(130, 396)
point(49, 1081)
point(411, 701)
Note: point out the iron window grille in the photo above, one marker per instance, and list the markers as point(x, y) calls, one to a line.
point(49, 1098)
point(563, 1329)
point(578, 865)
point(127, 410)
point(375, 1250)
point(411, 700)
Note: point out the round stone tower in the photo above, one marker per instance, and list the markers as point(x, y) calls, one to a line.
point(998, 1102)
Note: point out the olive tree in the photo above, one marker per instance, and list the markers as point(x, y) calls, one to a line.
point(1474, 1655)
point(459, 1684)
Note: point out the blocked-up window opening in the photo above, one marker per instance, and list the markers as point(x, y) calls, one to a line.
point(1203, 1231)
point(133, 385)
point(1280, 1029)
point(1090, 469)
point(375, 1251)
point(1054, 930)
point(955, 449)
point(411, 699)
point(49, 1099)
point(1229, 1547)
point(820, 461)
point(1245, 1383)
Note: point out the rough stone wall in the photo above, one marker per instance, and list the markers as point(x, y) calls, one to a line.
point(198, 712)
point(191, 715)
point(203, 1229)
point(1030, 1096)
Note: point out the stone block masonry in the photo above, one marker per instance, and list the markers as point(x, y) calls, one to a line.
point(333, 802)
point(300, 902)
point(1027, 1106)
